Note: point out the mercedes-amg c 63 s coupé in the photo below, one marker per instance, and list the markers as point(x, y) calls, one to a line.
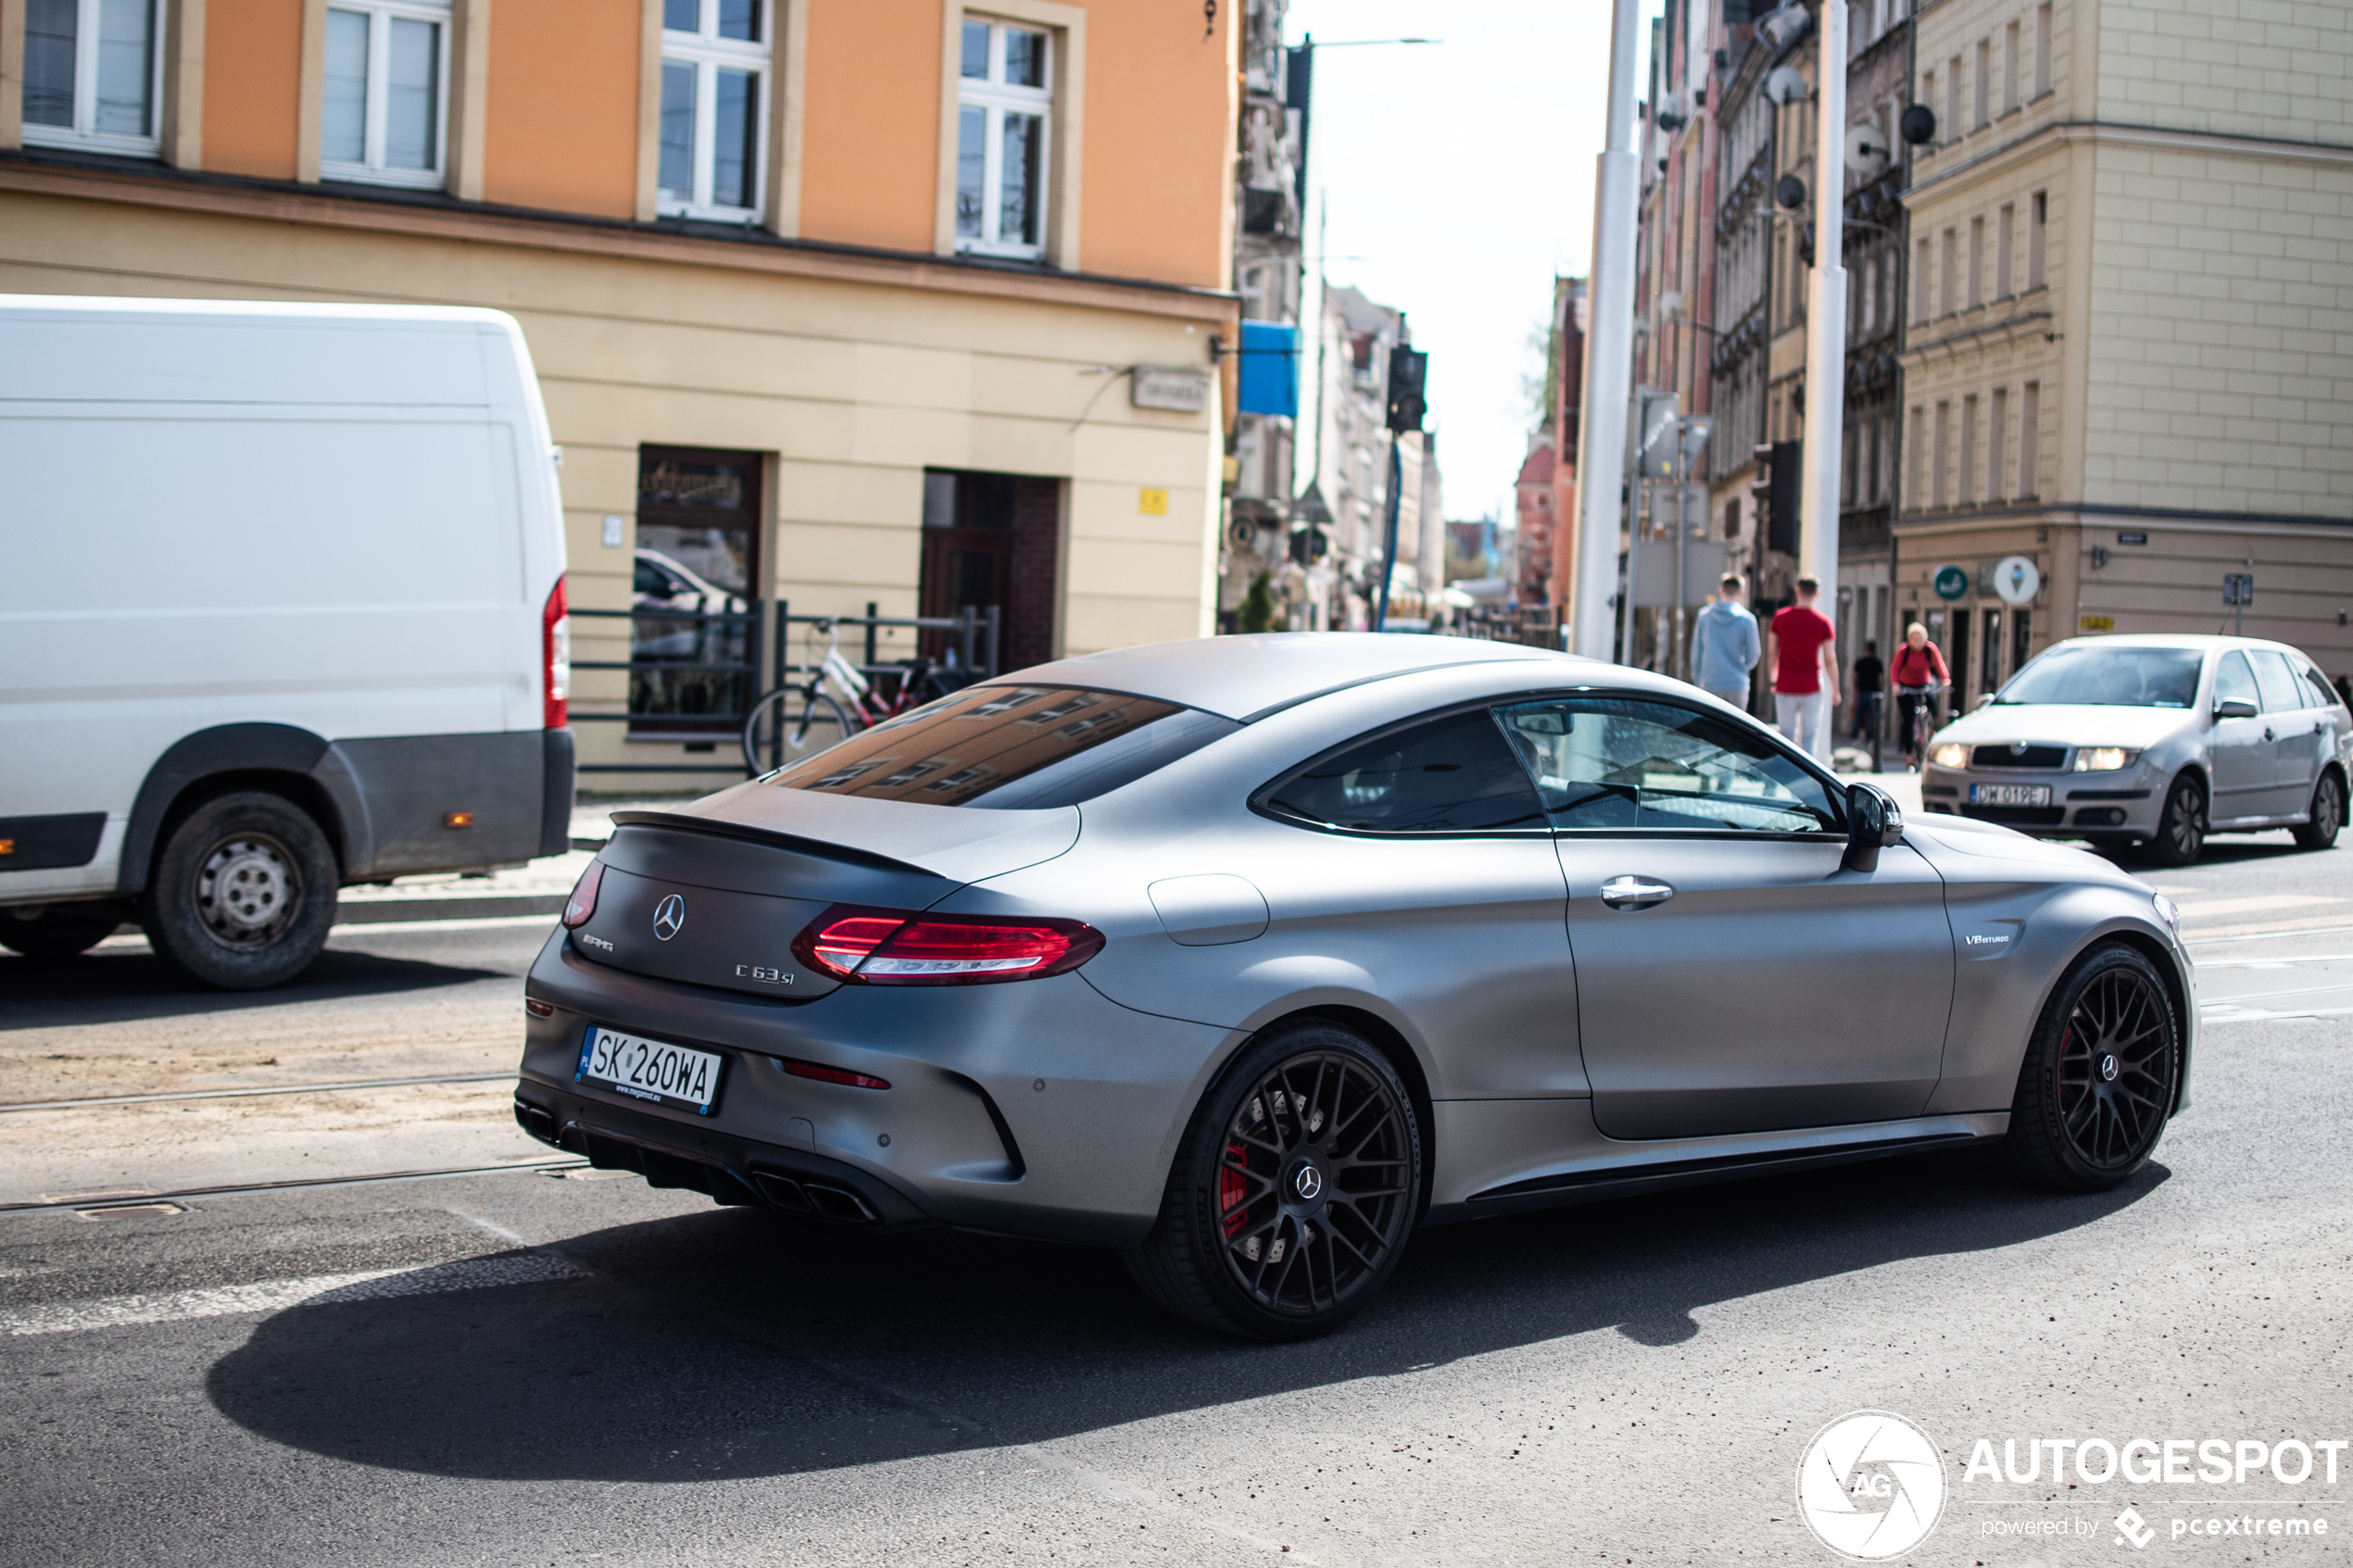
point(1249, 956)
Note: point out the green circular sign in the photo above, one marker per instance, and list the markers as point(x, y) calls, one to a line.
point(1951, 581)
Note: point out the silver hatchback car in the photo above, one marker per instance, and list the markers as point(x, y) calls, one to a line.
point(2152, 741)
point(1248, 956)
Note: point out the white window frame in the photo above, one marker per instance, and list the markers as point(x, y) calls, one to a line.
point(996, 96)
point(708, 53)
point(372, 170)
point(85, 91)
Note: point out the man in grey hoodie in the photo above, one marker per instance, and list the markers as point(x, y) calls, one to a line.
point(1724, 645)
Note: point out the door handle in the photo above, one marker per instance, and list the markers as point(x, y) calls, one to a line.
point(1634, 892)
point(2267, 732)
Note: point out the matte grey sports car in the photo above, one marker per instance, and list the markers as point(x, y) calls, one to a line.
point(1248, 956)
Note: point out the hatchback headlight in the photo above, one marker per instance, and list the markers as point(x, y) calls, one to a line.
point(1949, 756)
point(2103, 758)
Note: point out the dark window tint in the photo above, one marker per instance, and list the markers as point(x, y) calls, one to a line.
point(2319, 693)
point(956, 750)
point(1604, 762)
point(1455, 774)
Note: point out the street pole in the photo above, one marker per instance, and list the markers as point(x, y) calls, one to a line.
point(1826, 321)
point(1609, 347)
point(1389, 535)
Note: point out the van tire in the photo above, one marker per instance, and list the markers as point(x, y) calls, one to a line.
point(57, 931)
point(243, 892)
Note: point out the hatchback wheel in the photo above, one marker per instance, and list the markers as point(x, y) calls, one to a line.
point(1293, 1189)
point(2099, 1076)
point(2328, 814)
point(243, 892)
point(2181, 830)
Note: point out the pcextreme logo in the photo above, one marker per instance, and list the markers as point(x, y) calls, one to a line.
point(1871, 1486)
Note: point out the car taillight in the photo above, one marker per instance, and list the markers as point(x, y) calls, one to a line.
point(555, 647)
point(583, 902)
point(867, 946)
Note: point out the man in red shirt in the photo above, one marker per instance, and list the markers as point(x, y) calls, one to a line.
point(1802, 648)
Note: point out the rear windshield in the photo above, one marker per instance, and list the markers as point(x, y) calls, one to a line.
point(1009, 747)
point(2109, 677)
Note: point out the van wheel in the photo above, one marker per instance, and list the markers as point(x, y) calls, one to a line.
point(57, 931)
point(2328, 814)
point(243, 893)
point(1293, 1191)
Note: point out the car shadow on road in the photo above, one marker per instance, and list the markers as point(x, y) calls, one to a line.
point(734, 1344)
point(126, 987)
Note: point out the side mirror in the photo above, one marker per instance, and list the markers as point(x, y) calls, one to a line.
point(1984, 699)
point(1873, 822)
point(2235, 707)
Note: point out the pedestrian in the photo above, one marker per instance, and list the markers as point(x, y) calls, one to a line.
point(1870, 675)
point(1919, 674)
point(1803, 653)
point(1724, 647)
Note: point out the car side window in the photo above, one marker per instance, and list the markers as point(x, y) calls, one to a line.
point(2233, 681)
point(1450, 775)
point(2278, 681)
point(1606, 762)
point(2317, 692)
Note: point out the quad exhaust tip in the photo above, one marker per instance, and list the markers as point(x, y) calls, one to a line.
point(772, 1189)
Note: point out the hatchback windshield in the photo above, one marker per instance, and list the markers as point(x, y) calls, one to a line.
point(2109, 677)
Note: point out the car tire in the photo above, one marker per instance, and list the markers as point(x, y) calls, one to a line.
point(57, 931)
point(1294, 1188)
point(242, 893)
point(2180, 827)
point(2101, 1073)
point(2328, 814)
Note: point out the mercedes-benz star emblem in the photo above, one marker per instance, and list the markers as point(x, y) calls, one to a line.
point(669, 916)
point(1309, 1183)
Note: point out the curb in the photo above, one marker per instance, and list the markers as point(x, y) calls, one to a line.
point(383, 911)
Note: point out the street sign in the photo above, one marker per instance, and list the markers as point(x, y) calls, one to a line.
point(2095, 624)
point(1951, 581)
point(2238, 589)
point(2017, 579)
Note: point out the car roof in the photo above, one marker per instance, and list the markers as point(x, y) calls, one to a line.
point(2201, 641)
point(1249, 676)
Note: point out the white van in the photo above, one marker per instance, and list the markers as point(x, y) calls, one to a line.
point(283, 610)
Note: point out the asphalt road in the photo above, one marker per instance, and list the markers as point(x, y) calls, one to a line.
point(527, 1367)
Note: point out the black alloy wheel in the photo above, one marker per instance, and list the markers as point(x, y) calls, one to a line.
point(1293, 1192)
point(2181, 830)
point(2100, 1077)
point(2327, 813)
point(243, 892)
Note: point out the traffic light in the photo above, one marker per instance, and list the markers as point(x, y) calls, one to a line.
point(1309, 543)
point(1408, 372)
point(1776, 493)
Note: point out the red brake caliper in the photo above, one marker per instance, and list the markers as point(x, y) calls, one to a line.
point(1233, 1191)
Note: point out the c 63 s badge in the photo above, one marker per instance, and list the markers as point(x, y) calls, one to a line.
point(763, 975)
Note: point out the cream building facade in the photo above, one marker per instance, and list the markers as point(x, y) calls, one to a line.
point(834, 303)
point(2130, 342)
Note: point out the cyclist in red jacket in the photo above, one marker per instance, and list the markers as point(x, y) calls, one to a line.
point(1919, 674)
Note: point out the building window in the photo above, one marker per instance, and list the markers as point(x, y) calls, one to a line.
point(1997, 433)
point(381, 101)
point(93, 74)
point(1949, 284)
point(1953, 99)
point(715, 112)
point(1968, 451)
point(1976, 262)
point(1920, 275)
point(1940, 460)
point(695, 592)
point(2041, 48)
point(2038, 211)
point(2010, 67)
point(2005, 242)
point(1912, 483)
point(1980, 98)
point(2029, 440)
point(1004, 95)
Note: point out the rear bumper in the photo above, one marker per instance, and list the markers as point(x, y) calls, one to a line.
point(1037, 1107)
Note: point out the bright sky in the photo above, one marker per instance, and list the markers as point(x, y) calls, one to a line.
point(1457, 178)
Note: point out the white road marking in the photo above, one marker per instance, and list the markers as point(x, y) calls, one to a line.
point(2246, 997)
point(2204, 908)
point(2285, 960)
point(277, 1295)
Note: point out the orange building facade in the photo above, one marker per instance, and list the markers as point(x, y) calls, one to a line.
point(910, 303)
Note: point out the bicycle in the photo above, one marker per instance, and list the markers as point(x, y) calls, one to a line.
point(838, 700)
point(1921, 700)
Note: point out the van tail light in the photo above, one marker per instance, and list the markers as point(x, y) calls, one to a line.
point(582, 905)
point(870, 947)
point(555, 647)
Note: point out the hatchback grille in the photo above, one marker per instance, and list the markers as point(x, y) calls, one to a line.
point(2044, 757)
point(2017, 816)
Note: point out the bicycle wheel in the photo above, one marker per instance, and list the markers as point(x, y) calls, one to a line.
point(788, 724)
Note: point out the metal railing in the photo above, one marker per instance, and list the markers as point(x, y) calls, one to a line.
point(976, 637)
